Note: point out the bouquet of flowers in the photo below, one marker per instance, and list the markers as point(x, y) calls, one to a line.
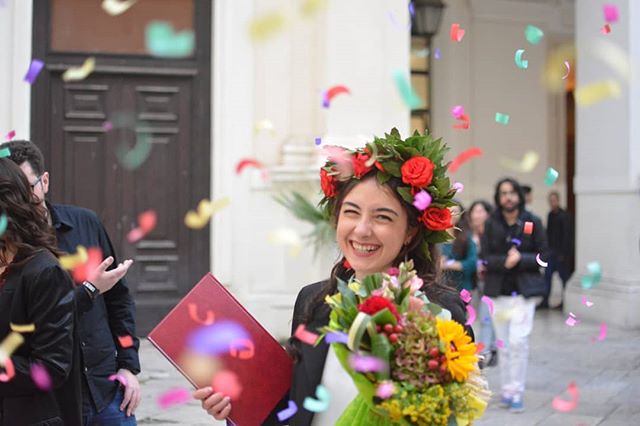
point(411, 363)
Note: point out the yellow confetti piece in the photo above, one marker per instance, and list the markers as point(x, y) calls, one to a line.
point(554, 68)
point(264, 125)
point(311, 7)
point(117, 7)
point(23, 328)
point(288, 237)
point(80, 73)
point(597, 92)
point(267, 25)
point(199, 219)
point(526, 165)
point(69, 262)
point(9, 345)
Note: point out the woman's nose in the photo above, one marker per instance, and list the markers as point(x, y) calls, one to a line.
point(363, 227)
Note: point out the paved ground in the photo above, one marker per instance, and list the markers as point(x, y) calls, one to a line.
point(607, 374)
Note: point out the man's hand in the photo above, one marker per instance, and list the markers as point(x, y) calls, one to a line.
point(103, 280)
point(513, 258)
point(131, 398)
point(216, 404)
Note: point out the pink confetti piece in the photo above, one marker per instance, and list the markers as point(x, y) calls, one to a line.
point(242, 349)
point(41, 377)
point(541, 262)
point(289, 412)
point(422, 200)
point(465, 295)
point(210, 316)
point(227, 383)
point(458, 186)
point(585, 302)
point(611, 14)
point(34, 69)
point(471, 315)
point(465, 122)
point(456, 32)
point(146, 223)
point(366, 364)
point(528, 228)
point(385, 390)
point(457, 111)
point(603, 333)
point(328, 96)
point(464, 157)
point(499, 343)
point(120, 378)
point(487, 301)
point(173, 397)
point(305, 336)
point(566, 64)
point(571, 320)
point(125, 341)
point(606, 29)
point(10, 135)
point(10, 371)
point(337, 337)
point(565, 406)
point(107, 126)
point(479, 347)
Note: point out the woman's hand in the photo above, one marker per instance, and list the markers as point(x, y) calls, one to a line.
point(216, 404)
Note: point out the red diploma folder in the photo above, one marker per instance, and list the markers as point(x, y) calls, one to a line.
point(261, 364)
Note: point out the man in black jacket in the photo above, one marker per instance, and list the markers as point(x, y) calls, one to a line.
point(512, 241)
point(560, 235)
point(105, 307)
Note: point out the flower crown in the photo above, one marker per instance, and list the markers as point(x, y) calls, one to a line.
point(417, 164)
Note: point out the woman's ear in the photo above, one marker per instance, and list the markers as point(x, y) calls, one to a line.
point(411, 234)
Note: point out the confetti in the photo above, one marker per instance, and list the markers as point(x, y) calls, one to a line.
point(551, 176)
point(87, 270)
point(133, 158)
point(593, 276)
point(436, 54)
point(288, 237)
point(264, 125)
point(406, 92)
point(465, 295)
point(464, 157)
point(146, 223)
point(199, 219)
point(554, 67)
point(162, 41)
point(458, 187)
point(611, 13)
point(336, 337)
point(499, 343)
point(9, 345)
point(526, 165)
point(566, 64)
point(41, 377)
point(125, 341)
point(33, 71)
point(22, 328)
point(210, 318)
point(312, 7)
point(456, 32)
point(305, 335)
point(528, 228)
point(502, 118)
point(422, 200)
point(107, 126)
point(318, 405)
point(541, 262)
point(606, 29)
point(585, 302)
point(248, 162)
point(117, 7)
point(216, 339)
point(318, 141)
point(564, 406)
point(517, 242)
point(10, 135)
point(10, 371)
point(533, 34)
point(71, 261)
point(596, 92)
point(571, 320)
point(603, 332)
point(480, 347)
point(327, 97)
point(471, 315)
point(120, 378)
point(5, 152)
point(267, 25)
point(457, 111)
point(385, 390)
point(487, 301)
point(288, 412)
point(465, 122)
point(366, 364)
point(227, 383)
point(242, 349)
point(521, 63)
point(173, 397)
point(81, 72)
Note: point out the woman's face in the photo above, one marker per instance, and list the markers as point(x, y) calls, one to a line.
point(372, 228)
point(478, 216)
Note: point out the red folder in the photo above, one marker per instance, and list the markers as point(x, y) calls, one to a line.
point(265, 376)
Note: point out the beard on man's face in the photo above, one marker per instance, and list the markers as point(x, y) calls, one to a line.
point(509, 207)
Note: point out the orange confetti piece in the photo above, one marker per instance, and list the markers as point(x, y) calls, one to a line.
point(564, 406)
point(125, 341)
point(464, 157)
point(456, 33)
point(305, 336)
point(193, 314)
point(242, 349)
point(10, 371)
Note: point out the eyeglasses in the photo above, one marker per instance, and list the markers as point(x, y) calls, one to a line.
point(33, 185)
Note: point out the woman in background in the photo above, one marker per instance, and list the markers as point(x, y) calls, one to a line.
point(459, 257)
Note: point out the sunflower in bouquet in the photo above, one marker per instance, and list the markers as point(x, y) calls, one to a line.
point(411, 363)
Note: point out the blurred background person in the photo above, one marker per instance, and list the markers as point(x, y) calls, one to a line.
point(459, 257)
point(528, 196)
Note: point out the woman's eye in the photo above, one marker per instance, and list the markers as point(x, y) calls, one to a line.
point(384, 218)
point(350, 211)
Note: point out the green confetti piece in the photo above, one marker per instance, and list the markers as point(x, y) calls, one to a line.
point(521, 63)
point(408, 95)
point(162, 41)
point(502, 118)
point(5, 152)
point(551, 176)
point(594, 275)
point(4, 221)
point(533, 34)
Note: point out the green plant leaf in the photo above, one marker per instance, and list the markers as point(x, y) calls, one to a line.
point(384, 317)
point(405, 193)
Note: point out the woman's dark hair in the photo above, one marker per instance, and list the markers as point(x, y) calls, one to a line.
point(485, 205)
point(460, 245)
point(516, 187)
point(428, 269)
point(27, 228)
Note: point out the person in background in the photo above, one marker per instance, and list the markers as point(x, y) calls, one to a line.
point(513, 237)
point(105, 306)
point(560, 236)
point(528, 196)
point(35, 292)
point(459, 257)
point(479, 212)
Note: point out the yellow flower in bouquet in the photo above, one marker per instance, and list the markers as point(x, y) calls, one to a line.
point(460, 350)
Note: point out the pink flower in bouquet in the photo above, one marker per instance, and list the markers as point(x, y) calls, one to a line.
point(393, 271)
point(374, 304)
point(415, 304)
point(415, 284)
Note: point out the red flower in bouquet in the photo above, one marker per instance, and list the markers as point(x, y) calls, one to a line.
point(374, 304)
point(359, 164)
point(436, 219)
point(328, 184)
point(417, 172)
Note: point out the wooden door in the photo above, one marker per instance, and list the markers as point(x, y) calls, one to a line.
point(160, 103)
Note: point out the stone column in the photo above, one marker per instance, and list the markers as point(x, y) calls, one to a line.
point(607, 180)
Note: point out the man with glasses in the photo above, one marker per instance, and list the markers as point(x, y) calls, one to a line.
point(105, 306)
